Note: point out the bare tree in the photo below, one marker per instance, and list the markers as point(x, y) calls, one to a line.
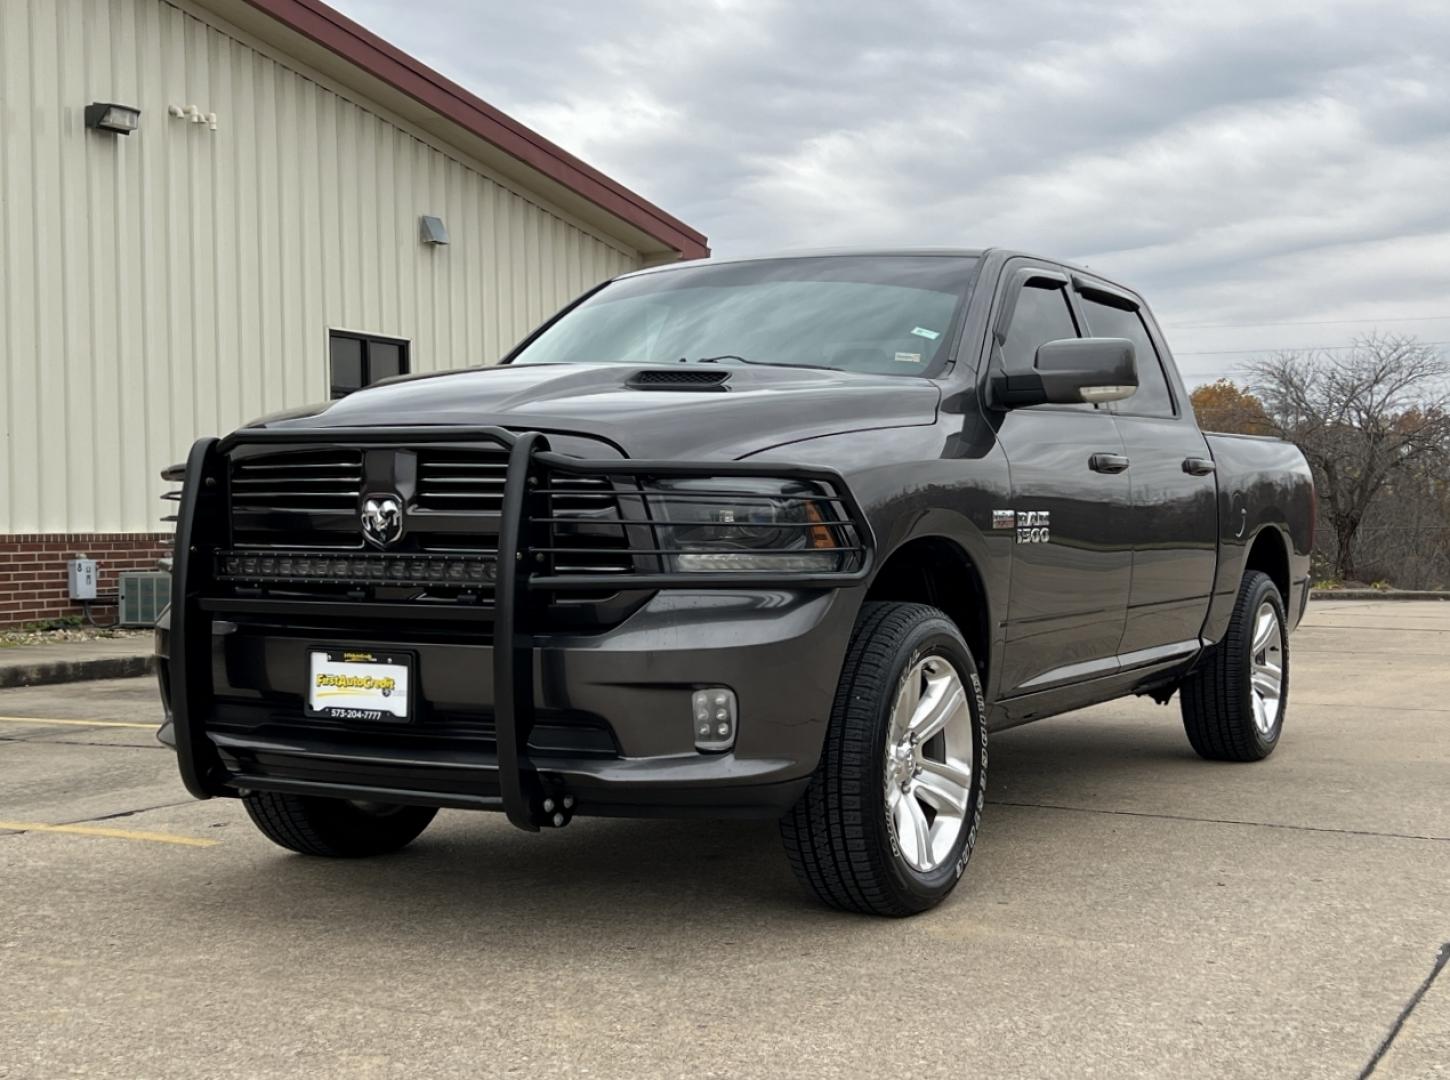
point(1362, 417)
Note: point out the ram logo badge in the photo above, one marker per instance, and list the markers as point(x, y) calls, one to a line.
point(382, 520)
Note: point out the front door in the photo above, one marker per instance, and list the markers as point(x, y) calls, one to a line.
point(1072, 550)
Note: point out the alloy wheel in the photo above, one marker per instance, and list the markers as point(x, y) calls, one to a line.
point(929, 762)
point(1267, 680)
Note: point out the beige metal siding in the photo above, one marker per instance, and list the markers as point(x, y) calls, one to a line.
point(180, 281)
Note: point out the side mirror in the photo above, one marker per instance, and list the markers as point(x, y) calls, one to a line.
point(1071, 371)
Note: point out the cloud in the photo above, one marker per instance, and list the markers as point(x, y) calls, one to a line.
point(1237, 161)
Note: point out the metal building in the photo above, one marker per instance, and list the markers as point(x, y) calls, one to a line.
point(215, 209)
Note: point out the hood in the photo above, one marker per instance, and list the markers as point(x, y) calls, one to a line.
point(757, 408)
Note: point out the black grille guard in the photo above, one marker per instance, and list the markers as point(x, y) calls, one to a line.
point(203, 530)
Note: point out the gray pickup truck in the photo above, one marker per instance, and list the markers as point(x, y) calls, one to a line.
point(781, 537)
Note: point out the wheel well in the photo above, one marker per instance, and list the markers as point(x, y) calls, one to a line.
point(1269, 556)
point(936, 571)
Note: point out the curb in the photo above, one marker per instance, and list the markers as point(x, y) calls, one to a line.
point(1376, 594)
point(65, 671)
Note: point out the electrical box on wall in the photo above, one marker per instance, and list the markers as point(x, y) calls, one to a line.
point(81, 576)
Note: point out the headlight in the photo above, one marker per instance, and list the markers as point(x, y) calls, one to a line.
point(725, 524)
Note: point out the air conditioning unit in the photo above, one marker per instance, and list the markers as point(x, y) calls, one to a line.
point(143, 594)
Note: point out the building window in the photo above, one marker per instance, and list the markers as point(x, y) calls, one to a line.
point(357, 360)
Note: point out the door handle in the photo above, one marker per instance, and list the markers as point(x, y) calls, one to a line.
point(1199, 466)
point(1108, 463)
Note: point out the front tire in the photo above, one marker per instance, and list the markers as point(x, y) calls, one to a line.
point(335, 828)
point(1233, 704)
point(890, 817)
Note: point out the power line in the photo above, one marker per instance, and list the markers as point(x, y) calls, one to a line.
point(1307, 322)
point(1297, 348)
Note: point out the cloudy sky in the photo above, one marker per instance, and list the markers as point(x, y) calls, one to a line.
point(1271, 173)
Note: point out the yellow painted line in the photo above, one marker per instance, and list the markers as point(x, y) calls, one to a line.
point(78, 723)
point(101, 830)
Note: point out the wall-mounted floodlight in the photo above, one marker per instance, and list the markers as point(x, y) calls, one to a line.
point(117, 119)
point(431, 230)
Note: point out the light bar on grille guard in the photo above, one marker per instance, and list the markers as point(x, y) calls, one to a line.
point(355, 569)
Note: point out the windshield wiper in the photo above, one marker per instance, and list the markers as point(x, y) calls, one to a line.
point(744, 360)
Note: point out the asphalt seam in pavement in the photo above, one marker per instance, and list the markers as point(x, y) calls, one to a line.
point(1219, 821)
point(129, 813)
point(36, 740)
point(1441, 958)
point(107, 817)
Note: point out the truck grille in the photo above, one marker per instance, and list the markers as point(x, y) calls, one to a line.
point(590, 501)
point(296, 523)
point(469, 481)
point(307, 481)
point(301, 498)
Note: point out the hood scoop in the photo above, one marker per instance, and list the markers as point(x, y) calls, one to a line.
point(682, 379)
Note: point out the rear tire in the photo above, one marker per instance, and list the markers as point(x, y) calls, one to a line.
point(335, 828)
point(1232, 708)
point(890, 817)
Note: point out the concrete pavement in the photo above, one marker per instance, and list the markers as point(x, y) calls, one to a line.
point(1131, 912)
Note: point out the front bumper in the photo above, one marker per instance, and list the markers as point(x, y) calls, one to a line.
point(510, 718)
point(612, 720)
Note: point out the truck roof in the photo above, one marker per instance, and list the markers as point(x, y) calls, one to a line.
point(816, 253)
point(823, 253)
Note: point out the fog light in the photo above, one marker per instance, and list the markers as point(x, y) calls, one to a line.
point(715, 715)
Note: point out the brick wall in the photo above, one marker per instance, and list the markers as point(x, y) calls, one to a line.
point(33, 570)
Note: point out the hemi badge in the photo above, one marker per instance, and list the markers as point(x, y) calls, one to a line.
point(1004, 519)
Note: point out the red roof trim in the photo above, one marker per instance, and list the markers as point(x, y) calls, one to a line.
point(336, 32)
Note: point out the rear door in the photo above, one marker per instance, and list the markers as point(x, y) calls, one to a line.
point(1071, 554)
point(1174, 515)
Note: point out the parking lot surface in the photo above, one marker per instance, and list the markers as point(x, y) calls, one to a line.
point(1130, 911)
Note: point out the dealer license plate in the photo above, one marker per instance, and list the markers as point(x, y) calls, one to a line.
point(359, 684)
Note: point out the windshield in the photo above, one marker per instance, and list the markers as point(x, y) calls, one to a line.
point(888, 315)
